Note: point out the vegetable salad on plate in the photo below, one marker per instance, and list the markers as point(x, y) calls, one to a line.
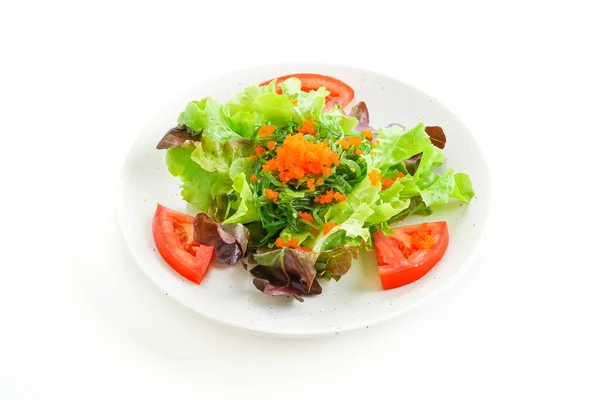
point(293, 187)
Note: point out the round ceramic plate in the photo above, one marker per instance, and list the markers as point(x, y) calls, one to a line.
point(227, 294)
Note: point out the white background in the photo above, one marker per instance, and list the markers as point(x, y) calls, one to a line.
point(78, 319)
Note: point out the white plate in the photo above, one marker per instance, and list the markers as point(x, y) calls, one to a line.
point(227, 294)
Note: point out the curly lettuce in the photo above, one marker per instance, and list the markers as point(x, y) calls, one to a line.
point(196, 182)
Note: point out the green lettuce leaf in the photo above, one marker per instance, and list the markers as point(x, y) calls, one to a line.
point(196, 182)
point(287, 234)
point(409, 187)
point(245, 206)
point(396, 145)
point(365, 192)
point(273, 108)
point(207, 116)
point(337, 123)
point(394, 192)
point(338, 212)
point(333, 240)
point(396, 148)
point(438, 190)
point(223, 185)
point(244, 165)
point(385, 211)
point(434, 188)
point(255, 106)
point(292, 88)
point(219, 208)
point(213, 155)
point(310, 104)
point(463, 190)
point(226, 159)
point(431, 159)
point(240, 113)
point(353, 226)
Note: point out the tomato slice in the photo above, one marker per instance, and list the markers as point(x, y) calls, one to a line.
point(410, 252)
point(174, 236)
point(340, 92)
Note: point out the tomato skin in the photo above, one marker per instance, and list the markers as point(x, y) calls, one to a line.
point(394, 268)
point(188, 258)
point(340, 92)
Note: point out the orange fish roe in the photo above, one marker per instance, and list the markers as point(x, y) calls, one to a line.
point(306, 216)
point(314, 231)
point(293, 242)
point(329, 197)
point(265, 131)
point(320, 181)
point(305, 248)
point(368, 134)
point(328, 227)
point(271, 145)
point(344, 143)
point(374, 177)
point(387, 182)
point(325, 198)
point(298, 157)
point(339, 197)
point(306, 127)
point(259, 150)
point(252, 157)
point(254, 178)
point(310, 183)
point(359, 152)
point(355, 140)
point(271, 195)
point(295, 102)
point(419, 240)
point(422, 240)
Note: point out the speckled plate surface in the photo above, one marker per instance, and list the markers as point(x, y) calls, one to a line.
point(227, 294)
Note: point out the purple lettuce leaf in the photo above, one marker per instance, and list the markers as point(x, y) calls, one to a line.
point(437, 136)
point(395, 124)
point(229, 240)
point(176, 137)
point(284, 272)
point(294, 289)
point(361, 113)
point(412, 164)
point(333, 264)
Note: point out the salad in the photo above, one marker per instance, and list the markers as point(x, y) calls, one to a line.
point(291, 185)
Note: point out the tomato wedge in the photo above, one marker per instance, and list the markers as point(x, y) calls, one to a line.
point(410, 252)
point(340, 92)
point(174, 236)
